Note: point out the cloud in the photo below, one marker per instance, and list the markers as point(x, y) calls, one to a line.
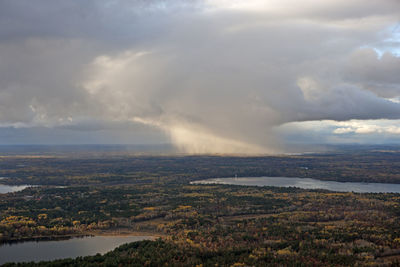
point(214, 76)
point(340, 132)
point(370, 127)
point(376, 74)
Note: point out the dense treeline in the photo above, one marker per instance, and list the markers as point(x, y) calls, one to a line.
point(161, 253)
point(368, 166)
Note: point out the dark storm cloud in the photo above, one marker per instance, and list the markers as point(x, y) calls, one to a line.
point(215, 76)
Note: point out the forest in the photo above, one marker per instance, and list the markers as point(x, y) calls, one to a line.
point(206, 224)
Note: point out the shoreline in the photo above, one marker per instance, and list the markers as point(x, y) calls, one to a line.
point(125, 233)
point(115, 233)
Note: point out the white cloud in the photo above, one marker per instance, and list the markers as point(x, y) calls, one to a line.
point(343, 130)
point(216, 76)
point(367, 127)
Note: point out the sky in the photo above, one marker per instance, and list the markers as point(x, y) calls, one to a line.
point(211, 76)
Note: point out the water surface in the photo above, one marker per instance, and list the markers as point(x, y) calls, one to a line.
point(71, 248)
point(306, 183)
point(11, 188)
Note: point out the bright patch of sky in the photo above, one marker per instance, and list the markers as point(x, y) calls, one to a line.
point(336, 132)
point(390, 42)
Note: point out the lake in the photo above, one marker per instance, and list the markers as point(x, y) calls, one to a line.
point(306, 183)
point(11, 188)
point(71, 248)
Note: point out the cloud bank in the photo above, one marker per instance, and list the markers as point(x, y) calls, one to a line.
point(214, 76)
